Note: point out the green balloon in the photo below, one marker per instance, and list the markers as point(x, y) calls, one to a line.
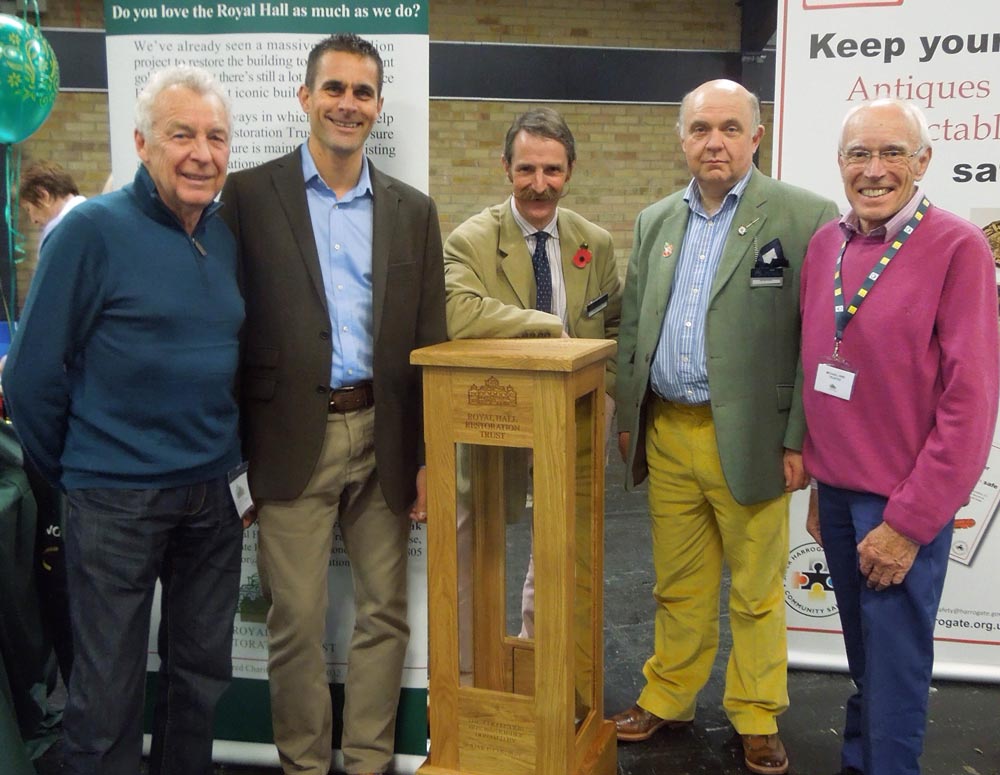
point(29, 79)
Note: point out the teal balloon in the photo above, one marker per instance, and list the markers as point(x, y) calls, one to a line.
point(29, 79)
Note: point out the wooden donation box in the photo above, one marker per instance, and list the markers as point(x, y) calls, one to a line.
point(511, 422)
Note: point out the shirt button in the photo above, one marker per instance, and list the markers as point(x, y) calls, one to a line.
point(344, 328)
point(687, 324)
point(701, 258)
point(336, 246)
point(684, 358)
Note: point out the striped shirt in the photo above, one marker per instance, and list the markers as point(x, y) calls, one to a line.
point(680, 371)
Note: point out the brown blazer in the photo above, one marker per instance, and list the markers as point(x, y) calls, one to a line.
point(287, 345)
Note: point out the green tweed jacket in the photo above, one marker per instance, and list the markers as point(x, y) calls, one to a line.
point(752, 332)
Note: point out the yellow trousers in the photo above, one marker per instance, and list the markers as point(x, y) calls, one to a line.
point(696, 525)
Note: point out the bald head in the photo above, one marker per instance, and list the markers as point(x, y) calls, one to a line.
point(720, 130)
point(713, 91)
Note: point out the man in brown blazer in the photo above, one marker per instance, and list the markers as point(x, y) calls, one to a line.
point(343, 277)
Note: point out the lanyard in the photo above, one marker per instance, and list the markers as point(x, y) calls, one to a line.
point(843, 315)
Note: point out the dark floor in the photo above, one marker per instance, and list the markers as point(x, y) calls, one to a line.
point(963, 736)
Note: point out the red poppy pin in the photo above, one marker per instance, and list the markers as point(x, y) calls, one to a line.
point(582, 257)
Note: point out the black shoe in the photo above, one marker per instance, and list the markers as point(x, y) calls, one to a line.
point(850, 771)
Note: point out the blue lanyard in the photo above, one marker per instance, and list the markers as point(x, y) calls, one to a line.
point(844, 315)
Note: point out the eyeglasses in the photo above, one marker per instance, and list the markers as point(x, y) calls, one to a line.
point(892, 157)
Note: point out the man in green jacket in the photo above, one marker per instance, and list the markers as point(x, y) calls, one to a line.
point(709, 406)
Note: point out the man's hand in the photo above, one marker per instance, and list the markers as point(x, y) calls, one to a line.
point(249, 517)
point(812, 517)
point(885, 557)
point(623, 438)
point(418, 511)
point(796, 477)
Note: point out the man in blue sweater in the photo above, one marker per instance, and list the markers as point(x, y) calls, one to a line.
point(120, 383)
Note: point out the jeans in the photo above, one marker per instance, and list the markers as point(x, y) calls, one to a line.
point(118, 543)
point(889, 637)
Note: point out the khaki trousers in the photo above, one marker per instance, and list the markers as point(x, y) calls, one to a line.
point(295, 542)
point(696, 525)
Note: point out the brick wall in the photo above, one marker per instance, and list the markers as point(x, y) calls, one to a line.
point(711, 24)
point(74, 14)
point(628, 155)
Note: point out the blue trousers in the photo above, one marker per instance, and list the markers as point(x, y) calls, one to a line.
point(889, 637)
point(118, 543)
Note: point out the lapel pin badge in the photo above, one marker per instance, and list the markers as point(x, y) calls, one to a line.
point(668, 250)
point(743, 229)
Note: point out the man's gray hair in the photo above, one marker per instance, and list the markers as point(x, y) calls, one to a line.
point(751, 98)
point(196, 79)
point(913, 114)
point(541, 122)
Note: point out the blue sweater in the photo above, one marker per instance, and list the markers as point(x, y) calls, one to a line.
point(122, 371)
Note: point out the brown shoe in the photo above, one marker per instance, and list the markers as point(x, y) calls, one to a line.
point(765, 754)
point(636, 724)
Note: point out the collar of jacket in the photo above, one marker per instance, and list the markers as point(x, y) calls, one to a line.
point(143, 190)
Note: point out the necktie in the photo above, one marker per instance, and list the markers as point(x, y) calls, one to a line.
point(543, 278)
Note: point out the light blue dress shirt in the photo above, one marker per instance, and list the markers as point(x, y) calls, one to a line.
point(679, 371)
point(343, 232)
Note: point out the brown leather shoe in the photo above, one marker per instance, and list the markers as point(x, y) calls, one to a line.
point(764, 754)
point(636, 724)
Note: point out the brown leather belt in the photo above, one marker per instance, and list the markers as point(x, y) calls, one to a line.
point(352, 398)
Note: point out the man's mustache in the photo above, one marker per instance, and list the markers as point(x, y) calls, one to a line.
point(548, 195)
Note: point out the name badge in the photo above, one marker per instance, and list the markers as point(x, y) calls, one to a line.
point(239, 489)
point(835, 378)
point(767, 278)
point(597, 305)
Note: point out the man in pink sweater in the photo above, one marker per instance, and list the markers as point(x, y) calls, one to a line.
point(900, 362)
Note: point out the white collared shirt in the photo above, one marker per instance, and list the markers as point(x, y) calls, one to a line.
point(553, 252)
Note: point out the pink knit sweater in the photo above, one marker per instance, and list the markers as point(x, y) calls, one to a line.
point(924, 344)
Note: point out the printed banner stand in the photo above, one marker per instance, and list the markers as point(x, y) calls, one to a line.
point(258, 52)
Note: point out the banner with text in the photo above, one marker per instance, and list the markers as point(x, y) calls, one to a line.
point(832, 55)
point(258, 52)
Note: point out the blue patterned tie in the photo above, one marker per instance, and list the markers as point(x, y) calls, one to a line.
point(543, 278)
